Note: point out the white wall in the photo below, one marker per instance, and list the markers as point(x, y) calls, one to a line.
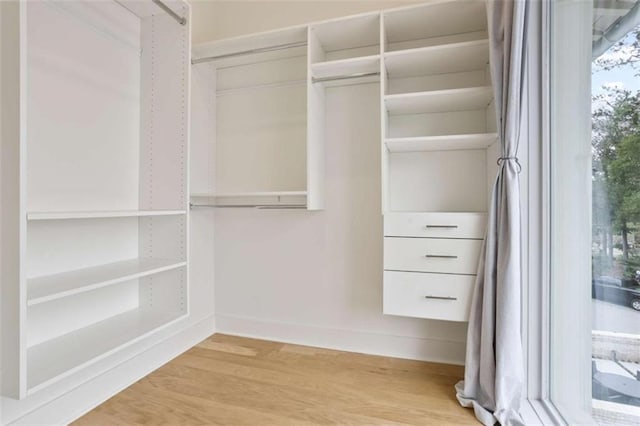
point(213, 19)
point(316, 277)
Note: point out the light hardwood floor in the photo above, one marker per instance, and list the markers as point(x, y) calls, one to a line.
point(231, 380)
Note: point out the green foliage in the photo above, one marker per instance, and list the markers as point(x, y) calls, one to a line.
point(616, 160)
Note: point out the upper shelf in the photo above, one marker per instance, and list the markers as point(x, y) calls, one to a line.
point(439, 100)
point(440, 59)
point(330, 72)
point(441, 143)
point(101, 214)
point(343, 38)
point(433, 20)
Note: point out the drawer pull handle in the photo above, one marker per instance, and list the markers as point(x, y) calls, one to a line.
point(441, 297)
point(440, 256)
point(442, 226)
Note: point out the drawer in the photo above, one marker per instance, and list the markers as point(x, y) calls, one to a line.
point(435, 225)
point(434, 296)
point(431, 255)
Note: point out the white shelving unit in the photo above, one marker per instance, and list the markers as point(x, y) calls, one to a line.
point(438, 155)
point(441, 143)
point(55, 359)
point(51, 287)
point(100, 259)
point(272, 159)
point(439, 100)
point(439, 59)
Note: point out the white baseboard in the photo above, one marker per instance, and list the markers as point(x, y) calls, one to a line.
point(82, 399)
point(366, 342)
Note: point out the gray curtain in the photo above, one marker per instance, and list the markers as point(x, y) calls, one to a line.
point(494, 372)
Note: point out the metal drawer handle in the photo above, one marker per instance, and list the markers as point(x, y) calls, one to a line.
point(441, 226)
point(440, 256)
point(441, 297)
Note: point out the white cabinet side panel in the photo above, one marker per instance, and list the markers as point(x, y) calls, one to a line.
point(83, 106)
point(203, 129)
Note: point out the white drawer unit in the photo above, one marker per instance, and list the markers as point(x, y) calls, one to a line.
point(423, 295)
point(449, 256)
point(435, 225)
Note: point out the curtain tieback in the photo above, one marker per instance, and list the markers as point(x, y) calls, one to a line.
point(501, 160)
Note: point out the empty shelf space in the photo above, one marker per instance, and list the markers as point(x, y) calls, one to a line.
point(101, 214)
point(439, 100)
point(346, 67)
point(441, 143)
point(57, 358)
point(444, 58)
point(434, 20)
point(51, 287)
point(342, 38)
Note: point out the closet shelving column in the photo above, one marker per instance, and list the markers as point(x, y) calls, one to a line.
point(103, 195)
point(264, 149)
point(438, 155)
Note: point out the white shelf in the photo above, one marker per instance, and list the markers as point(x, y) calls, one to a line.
point(439, 100)
point(57, 358)
point(361, 65)
point(434, 20)
point(441, 143)
point(444, 58)
point(251, 194)
point(101, 214)
point(51, 287)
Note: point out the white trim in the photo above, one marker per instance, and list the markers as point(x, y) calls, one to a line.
point(348, 340)
point(537, 408)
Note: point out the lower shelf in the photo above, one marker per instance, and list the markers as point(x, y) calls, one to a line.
point(51, 361)
point(441, 143)
point(52, 287)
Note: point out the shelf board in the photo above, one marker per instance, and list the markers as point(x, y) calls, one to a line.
point(101, 214)
point(441, 143)
point(51, 287)
point(342, 67)
point(439, 59)
point(51, 361)
point(251, 194)
point(439, 100)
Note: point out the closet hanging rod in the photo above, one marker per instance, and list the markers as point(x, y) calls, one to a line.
point(344, 77)
point(250, 52)
point(181, 20)
point(249, 206)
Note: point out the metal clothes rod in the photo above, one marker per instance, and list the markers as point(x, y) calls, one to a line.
point(249, 52)
point(343, 77)
point(181, 20)
point(249, 206)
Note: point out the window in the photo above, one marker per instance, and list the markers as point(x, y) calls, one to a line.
point(595, 211)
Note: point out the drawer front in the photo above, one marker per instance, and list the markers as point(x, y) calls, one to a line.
point(432, 255)
point(435, 225)
point(434, 296)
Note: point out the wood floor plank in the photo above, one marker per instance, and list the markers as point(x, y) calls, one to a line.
point(229, 380)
